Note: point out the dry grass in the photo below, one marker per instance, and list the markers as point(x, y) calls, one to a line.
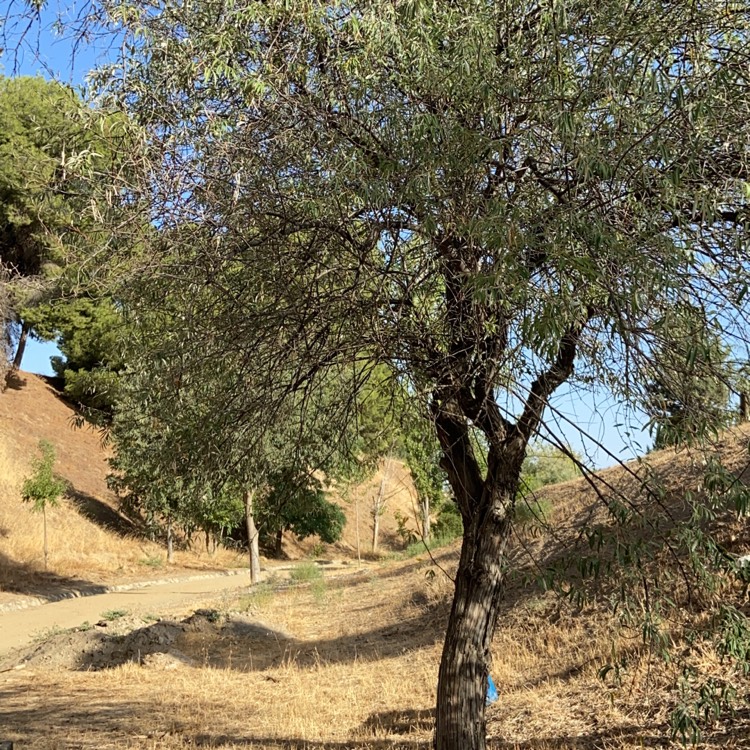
point(79, 548)
point(351, 663)
point(356, 671)
point(90, 543)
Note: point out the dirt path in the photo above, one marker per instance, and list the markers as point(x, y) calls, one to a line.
point(20, 627)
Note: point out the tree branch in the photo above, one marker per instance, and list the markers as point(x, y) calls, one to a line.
point(546, 384)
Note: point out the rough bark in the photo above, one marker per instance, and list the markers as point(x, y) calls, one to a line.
point(744, 407)
point(252, 538)
point(464, 667)
point(486, 505)
point(279, 545)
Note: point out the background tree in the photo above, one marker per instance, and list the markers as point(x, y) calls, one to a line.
point(52, 150)
point(43, 489)
point(422, 455)
point(168, 465)
point(89, 334)
point(689, 397)
point(490, 199)
point(295, 501)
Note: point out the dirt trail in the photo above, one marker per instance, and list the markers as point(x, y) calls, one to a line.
point(20, 627)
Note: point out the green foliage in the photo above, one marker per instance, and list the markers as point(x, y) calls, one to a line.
point(545, 465)
point(688, 399)
point(53, 151)
point(295, 502)
point(114, 614)
point(448, 524)
point(43, 489)
point(305, 572)
point(42, 142)
point(422, 454)
point(89, 336)
point(420, 547)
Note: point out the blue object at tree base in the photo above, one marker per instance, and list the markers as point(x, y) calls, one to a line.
point(491, 691)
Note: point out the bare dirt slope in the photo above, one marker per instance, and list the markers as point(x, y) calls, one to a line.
point(32, 410)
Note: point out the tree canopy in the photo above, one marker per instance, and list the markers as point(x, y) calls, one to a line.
point(53, 150)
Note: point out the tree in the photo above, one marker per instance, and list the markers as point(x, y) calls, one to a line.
point(169, 468)
point(89, 334)
point(43, 489)
point(294, 501)
point(422, 454)
point(689, 396)
point(52, 150)
point(489, 198)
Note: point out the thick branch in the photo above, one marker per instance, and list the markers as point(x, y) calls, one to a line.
point(546, 384)
point(458, 459)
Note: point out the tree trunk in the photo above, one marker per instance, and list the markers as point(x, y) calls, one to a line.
point(252, 538)
point(486, 505)
point(378, 505)
point(44, 523)
point(279, 546)
point(462, 683)
point(170, 541)
point(375, 531)
point(21, 346)
point(744, 408)
point(356, 528)
point(426, 519)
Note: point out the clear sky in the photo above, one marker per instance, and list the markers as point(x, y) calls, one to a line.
point(46, 53)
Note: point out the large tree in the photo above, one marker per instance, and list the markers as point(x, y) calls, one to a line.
point(490, 197)
point(55, 153)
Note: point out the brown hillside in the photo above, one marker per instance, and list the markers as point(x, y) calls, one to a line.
point(30, 411)
point(90, 542)
point(399, 498)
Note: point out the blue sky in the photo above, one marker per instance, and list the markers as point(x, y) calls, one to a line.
point(617, 428)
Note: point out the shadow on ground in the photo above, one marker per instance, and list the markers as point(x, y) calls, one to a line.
point(14, 381)
point(25, 578)
point(240, 644)
point(101, 514)
point(94, 720)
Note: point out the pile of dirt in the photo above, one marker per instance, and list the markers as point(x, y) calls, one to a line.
point(200, 639)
